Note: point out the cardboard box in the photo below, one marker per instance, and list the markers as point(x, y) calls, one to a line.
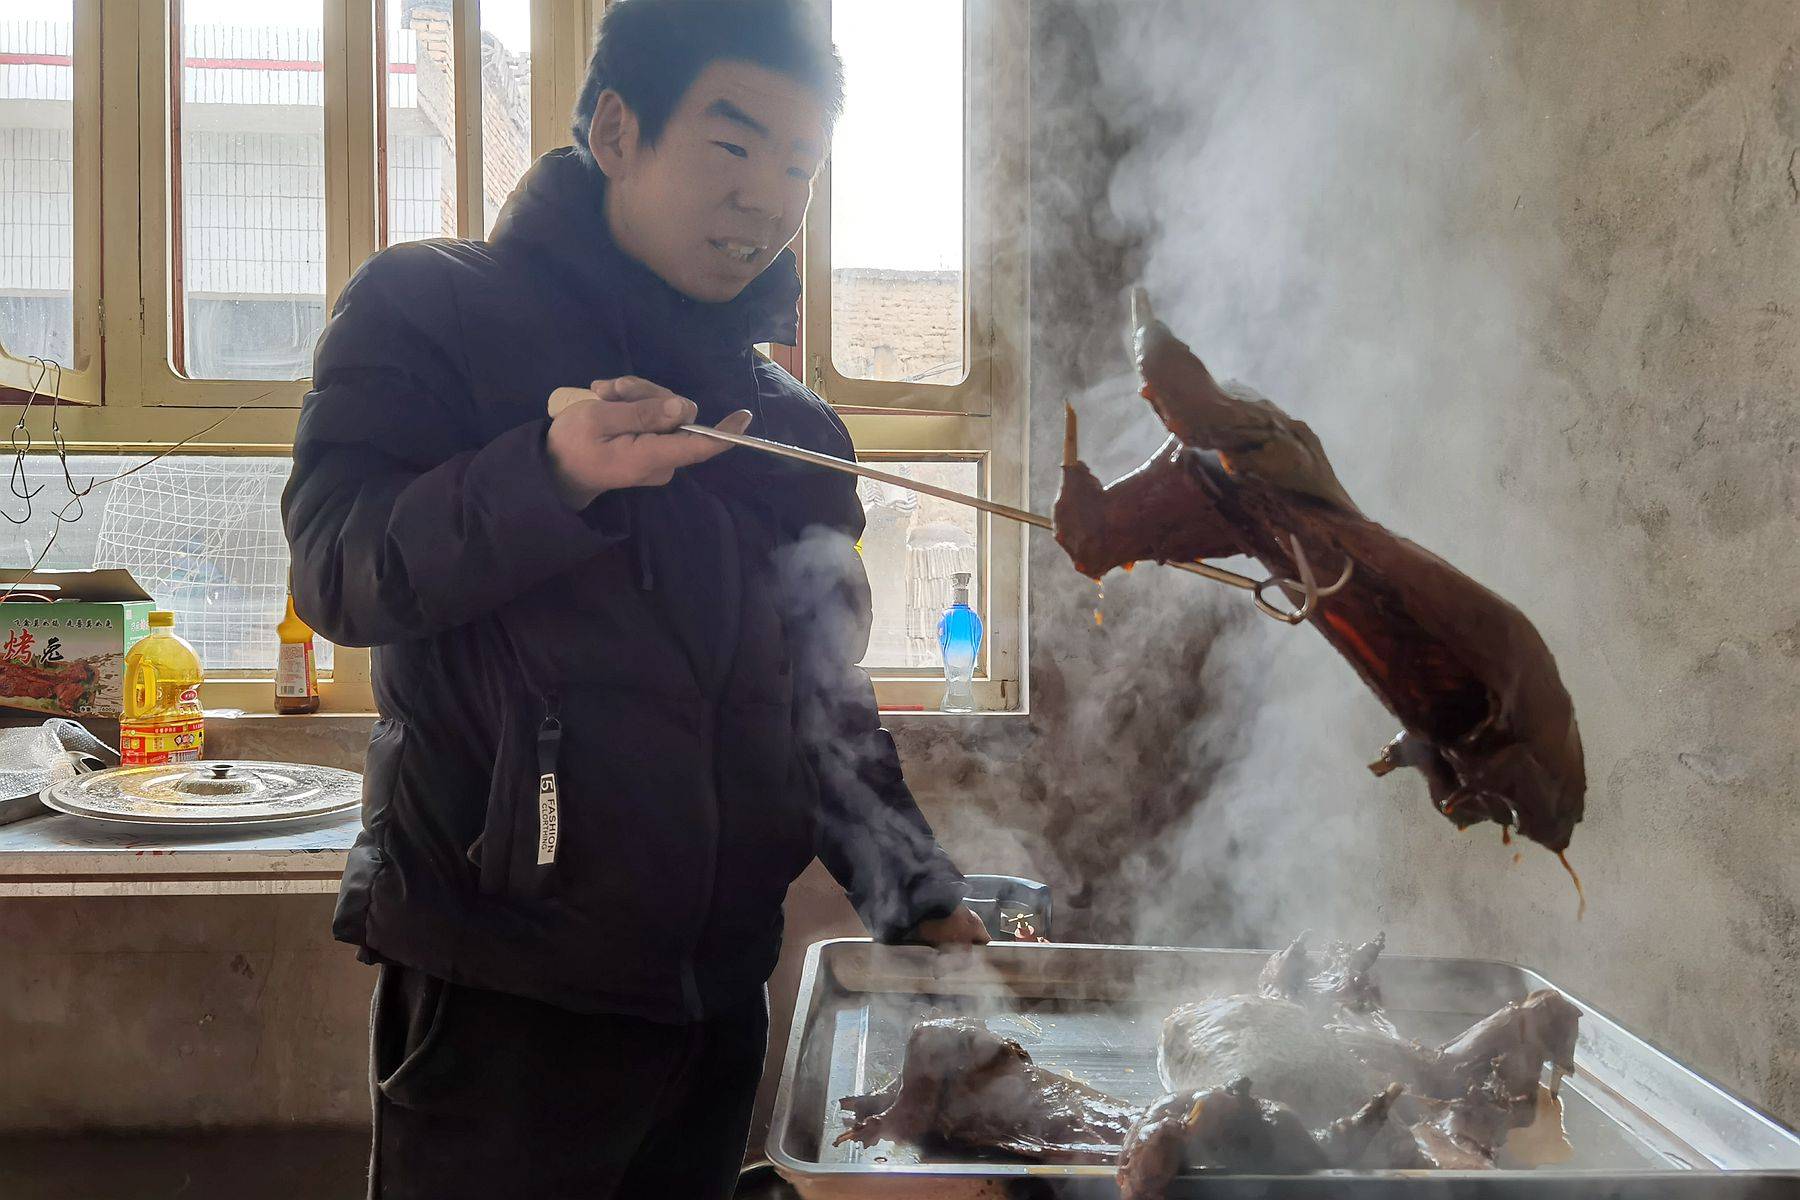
point(63, 638)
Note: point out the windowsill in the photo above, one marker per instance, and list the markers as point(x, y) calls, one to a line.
point(348, 719)
point(234, 715)
point(909, 715)
point(313, 721)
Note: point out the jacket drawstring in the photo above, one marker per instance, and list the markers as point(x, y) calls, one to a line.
point(646, 574)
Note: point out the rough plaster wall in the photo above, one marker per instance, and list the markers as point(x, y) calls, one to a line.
point(1660, 468)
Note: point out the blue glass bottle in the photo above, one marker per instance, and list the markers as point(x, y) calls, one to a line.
point(959, 637)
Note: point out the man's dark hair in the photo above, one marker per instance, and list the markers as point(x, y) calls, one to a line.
point(651, 51)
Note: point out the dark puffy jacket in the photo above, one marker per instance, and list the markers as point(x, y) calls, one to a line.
point(678, 661)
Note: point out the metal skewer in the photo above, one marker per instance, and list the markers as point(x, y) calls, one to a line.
point(1307, 586)
point(782, 450)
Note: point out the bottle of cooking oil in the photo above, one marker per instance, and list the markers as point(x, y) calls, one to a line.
point(163, 720)
point(296, 672)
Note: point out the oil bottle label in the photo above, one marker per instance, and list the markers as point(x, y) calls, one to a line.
point(178, 739)
point(295, 676)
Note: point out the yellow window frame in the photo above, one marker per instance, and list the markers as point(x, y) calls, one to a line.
point(80, 381)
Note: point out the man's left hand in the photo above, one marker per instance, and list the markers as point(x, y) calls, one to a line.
point(960, 928)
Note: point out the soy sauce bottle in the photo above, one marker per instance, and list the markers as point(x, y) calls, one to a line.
point(296, 671)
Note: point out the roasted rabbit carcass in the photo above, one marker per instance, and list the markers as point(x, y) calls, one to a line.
point(964, 1086)
point(1317, 1041)
point(1230, 1128)
point(1287, 1035)
point(1484, 713)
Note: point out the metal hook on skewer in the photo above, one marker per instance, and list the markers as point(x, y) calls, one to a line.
point(1307, 586)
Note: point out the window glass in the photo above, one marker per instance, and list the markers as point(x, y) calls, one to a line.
point(505, 101)
point(910, 548)
point(202, 535)
point(250, 194)
point(421, 120)
point(897, 193)
point(37, 195)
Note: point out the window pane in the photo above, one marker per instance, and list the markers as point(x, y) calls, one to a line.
point(505, 101)
point(37, 195)
point(897, 193)
point(910, 548)
point(202, 535)
point(421, 121)
point(252, 188)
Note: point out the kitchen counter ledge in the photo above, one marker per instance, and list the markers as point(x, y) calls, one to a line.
point(60, 855)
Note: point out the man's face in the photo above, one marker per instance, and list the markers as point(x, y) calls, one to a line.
point(725, 187)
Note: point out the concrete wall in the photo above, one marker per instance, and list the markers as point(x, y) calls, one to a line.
point(1532, 271)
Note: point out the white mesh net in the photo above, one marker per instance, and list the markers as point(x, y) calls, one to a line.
point(205, 539)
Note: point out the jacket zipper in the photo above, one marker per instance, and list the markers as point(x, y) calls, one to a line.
point(709, 833)
point(549, 798)
point(709, 722)
point(646, 574)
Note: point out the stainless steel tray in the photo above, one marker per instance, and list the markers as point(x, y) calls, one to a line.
point(1641, 1123)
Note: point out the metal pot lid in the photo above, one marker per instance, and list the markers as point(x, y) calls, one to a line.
point(208, 793)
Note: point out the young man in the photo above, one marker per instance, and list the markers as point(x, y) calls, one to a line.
point(620, 711)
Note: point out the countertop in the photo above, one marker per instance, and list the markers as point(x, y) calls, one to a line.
point(60, 855)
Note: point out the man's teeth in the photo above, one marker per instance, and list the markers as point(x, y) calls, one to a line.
point(746, 251)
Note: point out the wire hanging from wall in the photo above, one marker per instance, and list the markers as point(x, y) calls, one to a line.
point(21, 443)
point(74, 508)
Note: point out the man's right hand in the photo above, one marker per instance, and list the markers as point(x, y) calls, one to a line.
point(621, 433)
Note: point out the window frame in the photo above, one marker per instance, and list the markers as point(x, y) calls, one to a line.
point(347, 173)
point(134, 396)
point(126, 398)
point(983, 416)
point(971, 393)
point(81, 379)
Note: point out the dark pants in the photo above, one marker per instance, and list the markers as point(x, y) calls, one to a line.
point(482, 1094)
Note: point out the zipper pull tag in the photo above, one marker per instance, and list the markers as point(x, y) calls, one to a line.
point(549, 743)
